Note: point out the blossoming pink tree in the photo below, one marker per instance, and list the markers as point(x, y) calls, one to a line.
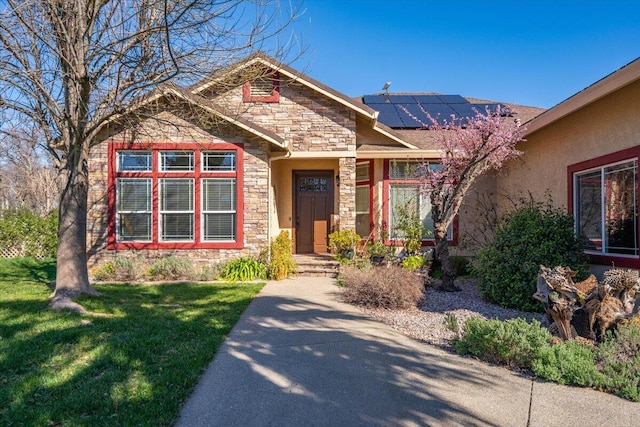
point(470, 148)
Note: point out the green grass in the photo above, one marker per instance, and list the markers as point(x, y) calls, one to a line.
point(136, 365)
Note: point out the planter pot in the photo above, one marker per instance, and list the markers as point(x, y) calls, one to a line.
point(377, 259)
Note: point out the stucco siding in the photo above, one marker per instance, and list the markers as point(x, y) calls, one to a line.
point(606, 126)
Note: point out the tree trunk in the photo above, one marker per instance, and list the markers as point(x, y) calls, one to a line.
point(442, 254)
point(72, 277)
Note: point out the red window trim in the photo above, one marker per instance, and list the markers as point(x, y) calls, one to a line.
point(273, 98)
point(386, 184)
point(633, 153)
point(155, 174)
point(368, 182)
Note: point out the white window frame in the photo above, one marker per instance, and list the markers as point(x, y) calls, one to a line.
point(204, 212)
point(120, 212)
point(161, 212)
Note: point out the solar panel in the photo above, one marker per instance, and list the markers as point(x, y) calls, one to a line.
point(374, 99)
point(427, 99)
point(406, 111)
point(453, 99)
point(467, 110)
point(402, 99)
point(388, 115)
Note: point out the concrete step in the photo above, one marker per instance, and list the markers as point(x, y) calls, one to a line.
point(316, 265)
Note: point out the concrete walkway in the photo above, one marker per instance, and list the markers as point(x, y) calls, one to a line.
point(299, 357)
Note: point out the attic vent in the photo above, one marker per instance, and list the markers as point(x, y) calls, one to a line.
point(262, 89)
point(262, 86)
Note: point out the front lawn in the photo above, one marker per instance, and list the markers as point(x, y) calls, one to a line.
point(134, 363)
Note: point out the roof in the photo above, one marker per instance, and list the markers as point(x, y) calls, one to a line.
point(259, 58)
point(603, 87)
point(397, 109)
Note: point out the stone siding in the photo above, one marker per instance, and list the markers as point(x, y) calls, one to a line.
point(167, 128)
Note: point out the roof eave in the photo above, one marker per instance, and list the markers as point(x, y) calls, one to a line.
point(611, 83)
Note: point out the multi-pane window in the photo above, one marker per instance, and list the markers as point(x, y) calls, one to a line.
point(134, 209)
point(605, 206)
point(188, 196)
point(176, 161)
point(176, 209)
point(407, 198)
point(219, 209)
point(363, 199)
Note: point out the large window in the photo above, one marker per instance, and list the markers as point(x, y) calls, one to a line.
point(605, 207)
point(167, 197)
point(405, 194)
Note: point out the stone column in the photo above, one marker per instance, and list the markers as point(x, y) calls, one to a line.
point(347, 193)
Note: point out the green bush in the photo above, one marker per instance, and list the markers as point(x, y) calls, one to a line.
point(243, 269)
point(170, 268)
point(613, 366)
point(414, 262)
point(529, 236)
point(391, 287)
point(569, 362)
point(32, 235)
point(105, 271)
point(343, 244)
point(515, 342)
point(282, 263)
point(618, 357)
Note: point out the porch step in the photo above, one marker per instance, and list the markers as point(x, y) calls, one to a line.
point(314, 265)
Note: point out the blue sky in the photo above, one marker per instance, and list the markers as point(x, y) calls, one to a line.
point(527, 52)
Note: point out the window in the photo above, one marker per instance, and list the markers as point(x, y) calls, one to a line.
point(363, 198)
point(605, 208)
point(404, 192)
point(265, 88)
point(176, 196)
point(131, 161)
point(176, 209)
point(219, 209)
point(134, 209)
point(176, 161)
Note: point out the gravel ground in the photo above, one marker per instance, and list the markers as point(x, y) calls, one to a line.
point(426, 322)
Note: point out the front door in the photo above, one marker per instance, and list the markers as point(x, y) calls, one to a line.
point(313, 195)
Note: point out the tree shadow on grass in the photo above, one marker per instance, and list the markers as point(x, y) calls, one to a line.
point(135, 366)
point(28, 269)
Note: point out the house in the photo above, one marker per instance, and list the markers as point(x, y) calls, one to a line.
point(584, 153)
point(217, 170)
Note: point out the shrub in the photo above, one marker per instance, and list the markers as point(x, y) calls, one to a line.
point(243, 269)
point(391, 287)
point(30, 234)
point(343, 243)
point(527, 237)
point(105, 271)
point(515, 342)
point(413, 262)
point(170, 268)
point(127, 267)
point(282, 263)
point(409, 226)
point(209, 272)
point(618, 357)
point(568, 362)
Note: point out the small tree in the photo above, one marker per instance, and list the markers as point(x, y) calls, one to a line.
point(470, 148)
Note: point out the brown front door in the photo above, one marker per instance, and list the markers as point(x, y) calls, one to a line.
point(313, 193)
